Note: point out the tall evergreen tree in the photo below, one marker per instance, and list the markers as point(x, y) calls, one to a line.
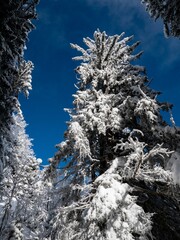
point(168, 11)
point(15, 74)
point(116, 133)
point(21, 206)
point(20, 191)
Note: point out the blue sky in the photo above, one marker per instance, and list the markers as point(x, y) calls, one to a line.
point(62, 22)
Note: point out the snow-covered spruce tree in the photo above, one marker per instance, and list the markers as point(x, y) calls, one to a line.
point(21, 189)
point(14, 27)
point(168, 11)
point(20, 194)
point(115, 134)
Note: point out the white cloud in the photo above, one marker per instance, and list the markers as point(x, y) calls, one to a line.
point(131, 15)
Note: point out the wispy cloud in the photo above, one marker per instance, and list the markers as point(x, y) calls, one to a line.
point(54, 26)
point(131, 16)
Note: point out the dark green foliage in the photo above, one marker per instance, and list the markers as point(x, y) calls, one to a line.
point(15, 25)
point(156, 198)
point(168, 11)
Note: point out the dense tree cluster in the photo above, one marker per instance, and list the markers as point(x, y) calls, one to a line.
point(19, 170)
point(168, 11)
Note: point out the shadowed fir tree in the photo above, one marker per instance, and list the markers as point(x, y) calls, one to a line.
point(116, 139)
point(20, 191)
point(168, 11)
